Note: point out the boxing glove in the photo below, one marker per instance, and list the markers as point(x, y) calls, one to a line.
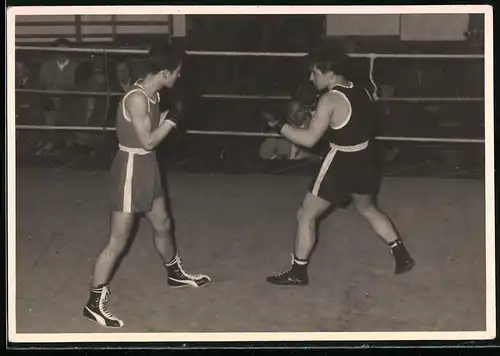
point(174, 114)
point(273, 123)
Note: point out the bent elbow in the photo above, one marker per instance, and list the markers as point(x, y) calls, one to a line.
point(148, 145)
point(310, 143)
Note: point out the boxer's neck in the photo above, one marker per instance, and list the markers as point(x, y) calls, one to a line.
point(151, 84)
point(338, 80)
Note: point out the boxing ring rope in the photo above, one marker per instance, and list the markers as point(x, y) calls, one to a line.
point(249, 134)
point(370, 56)
point(237, 53)
point(229, 96)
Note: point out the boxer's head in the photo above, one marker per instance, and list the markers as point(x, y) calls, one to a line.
point(165, 61)
point(328, 66)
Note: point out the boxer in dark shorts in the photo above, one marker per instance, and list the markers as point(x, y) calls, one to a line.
point(135, 177)
point(136, 185)
point(344, 116)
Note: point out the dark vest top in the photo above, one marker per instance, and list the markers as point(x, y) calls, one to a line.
point(125, 131)
point(359, 126)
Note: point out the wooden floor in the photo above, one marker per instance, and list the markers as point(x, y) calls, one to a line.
point(239, 229)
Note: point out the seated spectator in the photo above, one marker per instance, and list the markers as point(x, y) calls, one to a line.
point(278, 148)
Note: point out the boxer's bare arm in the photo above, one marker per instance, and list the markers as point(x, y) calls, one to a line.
point(308, 137)
point(137, 107)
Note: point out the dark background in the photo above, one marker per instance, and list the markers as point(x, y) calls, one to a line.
point(455, 78)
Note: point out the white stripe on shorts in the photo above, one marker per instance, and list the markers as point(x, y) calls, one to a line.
point(127, 187)
point(329, 158)
point(324, 168)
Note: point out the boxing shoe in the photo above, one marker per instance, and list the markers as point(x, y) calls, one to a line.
point(296, 275)
point(178, 277)
point(403, 261)
point(96, 310)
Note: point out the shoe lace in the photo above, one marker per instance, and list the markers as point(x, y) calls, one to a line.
point(396, 247)
point(104, 299)
point(186, 274)
point(285, 272)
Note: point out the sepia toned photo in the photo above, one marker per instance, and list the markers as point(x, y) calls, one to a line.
point(271, 173)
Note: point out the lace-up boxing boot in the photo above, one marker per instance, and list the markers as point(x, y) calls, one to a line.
point(178, 277)
point(296, 275)
point(96, 310)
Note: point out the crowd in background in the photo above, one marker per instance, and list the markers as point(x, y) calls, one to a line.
point(61, 71)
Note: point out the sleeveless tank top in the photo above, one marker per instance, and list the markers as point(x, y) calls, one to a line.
point(125, 131)
point(358, 127)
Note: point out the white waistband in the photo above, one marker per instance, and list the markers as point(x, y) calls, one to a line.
point(136, 151)
point(355, 148)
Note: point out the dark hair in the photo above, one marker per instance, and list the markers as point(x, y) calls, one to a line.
point(62, 42)
point(304, 93)
point(163, 56)
point(122, 61)
point(330, 57)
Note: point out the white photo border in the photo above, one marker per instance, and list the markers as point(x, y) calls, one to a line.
point(487, 334)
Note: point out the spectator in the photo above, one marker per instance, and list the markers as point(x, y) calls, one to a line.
point(57, 73)
point(97, 82)
point(91, 109)
point(123, 76)
point(119, 83)
point(393, 149)
point(27, 105)
point(278, 148)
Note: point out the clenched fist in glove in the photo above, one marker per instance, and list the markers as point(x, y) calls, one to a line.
point(295, 114)
point(273, 123)
point(174, 114)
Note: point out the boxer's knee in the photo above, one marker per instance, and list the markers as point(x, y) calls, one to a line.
point(311, 209)
point(117, 243)
point(305, 216)
point(121, 227)
point(159, 216)
point(364, 204)
point(163, 224)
